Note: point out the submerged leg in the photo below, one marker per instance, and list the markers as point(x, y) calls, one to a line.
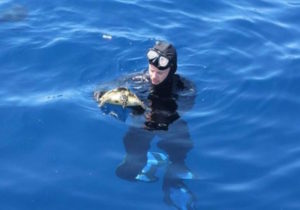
point(137, 143)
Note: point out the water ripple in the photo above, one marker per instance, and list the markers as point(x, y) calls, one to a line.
point(242, 56)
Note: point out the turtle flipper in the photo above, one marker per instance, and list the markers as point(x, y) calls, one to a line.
point(102, 102)
point(98, 95)
point(143, 105)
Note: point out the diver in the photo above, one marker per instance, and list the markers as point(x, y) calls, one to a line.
point(167, 96)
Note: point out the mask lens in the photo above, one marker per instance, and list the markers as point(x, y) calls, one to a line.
point(152, 54)
point(163, 61)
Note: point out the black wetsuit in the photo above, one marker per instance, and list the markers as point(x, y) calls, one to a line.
point(166, 102)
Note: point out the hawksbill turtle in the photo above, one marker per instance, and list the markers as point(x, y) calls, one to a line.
point(119, 96)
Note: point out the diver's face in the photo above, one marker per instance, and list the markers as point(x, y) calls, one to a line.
point(157, 76)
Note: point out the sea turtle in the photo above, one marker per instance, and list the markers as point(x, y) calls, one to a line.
point(119, 96)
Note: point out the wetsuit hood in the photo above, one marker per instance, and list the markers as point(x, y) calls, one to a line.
point(169, 51)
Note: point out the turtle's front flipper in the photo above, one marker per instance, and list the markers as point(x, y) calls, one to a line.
point(98, 95)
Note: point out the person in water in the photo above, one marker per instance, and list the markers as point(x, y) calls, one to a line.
point(166, 94)
point(163, 87)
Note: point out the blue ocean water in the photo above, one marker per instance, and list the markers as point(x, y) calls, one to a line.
point(58, 150)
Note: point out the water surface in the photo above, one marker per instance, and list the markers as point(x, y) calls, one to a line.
point(58, 151)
